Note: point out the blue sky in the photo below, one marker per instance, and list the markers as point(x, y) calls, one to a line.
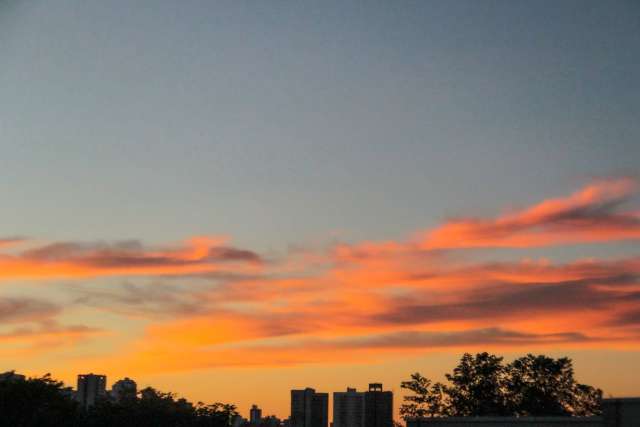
point(278, 123)
point(400, 182)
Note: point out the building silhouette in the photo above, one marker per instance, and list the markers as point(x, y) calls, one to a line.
point(309, 409)
point(616, 412)
point(255, 415)
point(348, 408)
point(124, 389)
point(91, 388)
point(378, 407)
point(238, 421)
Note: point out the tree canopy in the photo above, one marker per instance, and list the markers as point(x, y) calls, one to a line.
point(46, 402)
point(482, 385)
point(40, 401)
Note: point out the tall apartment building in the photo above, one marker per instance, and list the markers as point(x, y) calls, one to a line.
point(309, 409)
point(348, 408)
point(378, 407)
point(91, 388)
point(255, 415)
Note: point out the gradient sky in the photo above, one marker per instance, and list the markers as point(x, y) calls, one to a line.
point(231, 199)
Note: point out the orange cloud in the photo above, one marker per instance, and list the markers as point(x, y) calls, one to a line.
point(584, 304)
point(130, 258)
point(10, 241)
point(589, 215)
point(372, 299)
point(28, 326)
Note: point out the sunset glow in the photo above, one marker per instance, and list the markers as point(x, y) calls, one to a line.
point(231, 200)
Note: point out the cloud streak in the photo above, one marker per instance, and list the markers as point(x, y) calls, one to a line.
point(592, 214)
point(284, 322)
point(198, 255)
point(15, 310)
point(29, 326)
point(227, 306)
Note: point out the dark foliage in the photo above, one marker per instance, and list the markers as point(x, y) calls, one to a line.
point(482, 385)
point(36, 402)
point(45, 402)
point(478, 386)
point(427, 400)
point(540, 385)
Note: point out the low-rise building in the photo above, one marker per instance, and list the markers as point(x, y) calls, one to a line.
point(620, 412)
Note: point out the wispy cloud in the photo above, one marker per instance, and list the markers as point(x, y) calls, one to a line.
point(323, 318)
point(21, 309)
point(29, 326)
point(153, 300)
point(207, 303)
point(592, 214)
point(10, 241)
point(198, 255)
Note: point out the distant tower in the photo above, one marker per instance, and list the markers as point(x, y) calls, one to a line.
point(348, 408)
point(309, 409)
point(91, 388)
point(125, 389)
point(378, 407)
point(255, 415)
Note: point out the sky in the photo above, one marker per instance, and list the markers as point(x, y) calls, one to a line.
point(231, 199)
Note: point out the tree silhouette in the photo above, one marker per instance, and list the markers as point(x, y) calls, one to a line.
point(478, 386)
point(161, 409)
point(540, 385)
point(217, 414)
point(43, 401)
point(40, 401)
point(482, 386)
point(428, 400)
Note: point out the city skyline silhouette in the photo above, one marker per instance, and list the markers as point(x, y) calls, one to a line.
point(234, 200)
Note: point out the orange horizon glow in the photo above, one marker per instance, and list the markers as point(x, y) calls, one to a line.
point(207, 305)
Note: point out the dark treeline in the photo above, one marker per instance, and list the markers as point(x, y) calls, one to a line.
point(481, 385)
point(46, 402)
